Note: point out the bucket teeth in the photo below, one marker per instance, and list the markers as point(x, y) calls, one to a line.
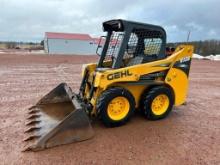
point(31, 137)
point(32, 122)
point(32, 107)
point(33, 116)
point(33, 111)
point(31, 129)
point(27, 149)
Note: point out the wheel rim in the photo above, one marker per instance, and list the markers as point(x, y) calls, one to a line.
point(160, 104)
point(118, 108)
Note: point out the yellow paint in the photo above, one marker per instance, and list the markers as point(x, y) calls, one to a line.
point(178, 80)
point(90, 67)
point(160, 104)
point(142, 69)
point(118, 108)
point(175, 78)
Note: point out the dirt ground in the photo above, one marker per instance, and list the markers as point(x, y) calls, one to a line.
point(190, 135)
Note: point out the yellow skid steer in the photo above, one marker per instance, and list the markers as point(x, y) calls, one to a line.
point(134, 72)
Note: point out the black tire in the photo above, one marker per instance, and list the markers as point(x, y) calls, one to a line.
point(150, 96)
point(142, 100)
point(104, 100)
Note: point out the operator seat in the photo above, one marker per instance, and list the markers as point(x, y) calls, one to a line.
point(135, 61)
point(140, 59)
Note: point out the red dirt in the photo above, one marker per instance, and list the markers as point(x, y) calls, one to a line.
point(190, 135)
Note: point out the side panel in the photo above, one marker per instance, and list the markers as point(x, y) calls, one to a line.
point(128, 74)
point(178, 80)
point(178, 74)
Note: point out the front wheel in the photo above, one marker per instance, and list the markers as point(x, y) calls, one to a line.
point(158, 103)
point(115, 106)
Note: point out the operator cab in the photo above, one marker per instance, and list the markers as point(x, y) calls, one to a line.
point(130, 43)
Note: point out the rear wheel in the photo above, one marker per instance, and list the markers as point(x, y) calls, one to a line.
point(158, 103)
point(115, 106)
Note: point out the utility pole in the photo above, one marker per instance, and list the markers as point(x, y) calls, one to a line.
point(188, 36)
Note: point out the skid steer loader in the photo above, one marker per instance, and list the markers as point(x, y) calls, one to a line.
point(133, 73)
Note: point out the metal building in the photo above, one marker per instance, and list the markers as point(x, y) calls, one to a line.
point(69, 43)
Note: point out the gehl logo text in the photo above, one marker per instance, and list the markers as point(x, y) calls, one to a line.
point(117, 75)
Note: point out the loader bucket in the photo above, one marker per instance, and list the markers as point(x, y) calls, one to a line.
point(58, 118)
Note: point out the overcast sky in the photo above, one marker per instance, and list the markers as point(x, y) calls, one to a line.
point(27, 20)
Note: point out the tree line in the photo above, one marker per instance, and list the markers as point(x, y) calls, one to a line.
point(204, 48)
point(18, 45)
